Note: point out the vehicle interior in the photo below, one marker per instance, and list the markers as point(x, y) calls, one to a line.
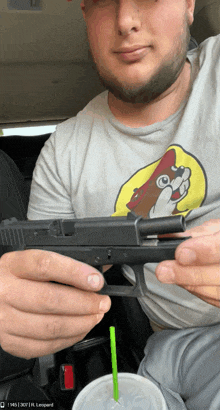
point(46, 77)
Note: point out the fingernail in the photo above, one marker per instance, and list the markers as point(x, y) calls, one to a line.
point(104, 305)
point(94, 281)
point(186, 256)
point(166, 275)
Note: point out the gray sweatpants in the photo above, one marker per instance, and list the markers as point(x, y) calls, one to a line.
point(185, 365)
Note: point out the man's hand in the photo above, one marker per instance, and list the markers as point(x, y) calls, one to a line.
point(197, 263)
point(38, 317)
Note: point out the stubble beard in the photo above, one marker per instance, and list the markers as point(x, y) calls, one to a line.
point(159, 83)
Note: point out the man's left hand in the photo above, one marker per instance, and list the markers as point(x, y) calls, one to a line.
point(196, 267)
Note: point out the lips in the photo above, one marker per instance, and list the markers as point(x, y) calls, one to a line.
point(132, 54)
point(129, 49)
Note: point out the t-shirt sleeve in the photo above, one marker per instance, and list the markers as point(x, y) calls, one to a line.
point(48, 196)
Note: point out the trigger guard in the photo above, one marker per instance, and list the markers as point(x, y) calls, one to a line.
point(137, 290)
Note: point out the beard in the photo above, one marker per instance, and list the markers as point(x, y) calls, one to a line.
point(160, 82)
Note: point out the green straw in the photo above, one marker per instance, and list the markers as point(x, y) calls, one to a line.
point(114, 363)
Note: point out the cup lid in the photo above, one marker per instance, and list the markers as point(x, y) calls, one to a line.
point(135, 392)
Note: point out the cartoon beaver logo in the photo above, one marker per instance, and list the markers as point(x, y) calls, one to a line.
point(160, 195)
point(171, 187)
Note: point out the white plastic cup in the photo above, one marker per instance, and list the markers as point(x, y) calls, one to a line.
point(135, 393)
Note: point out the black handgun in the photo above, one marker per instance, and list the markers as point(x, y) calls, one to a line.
point(130, 240)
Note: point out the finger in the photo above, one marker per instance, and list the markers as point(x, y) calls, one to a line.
point(29, 349)
point(202, 250)
point(173, 235)
point(48, 266)
point(46, 327)
point(172, 272)
point(106, 267)
point(52, 298)
point(210, 294)
point(213, 302)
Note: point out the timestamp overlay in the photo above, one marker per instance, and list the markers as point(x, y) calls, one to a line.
point(27, 405)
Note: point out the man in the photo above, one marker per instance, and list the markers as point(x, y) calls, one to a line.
point(148, 145)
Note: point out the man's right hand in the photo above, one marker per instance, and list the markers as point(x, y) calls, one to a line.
point(38, 317)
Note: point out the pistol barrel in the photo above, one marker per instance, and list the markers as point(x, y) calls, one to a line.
point(162, 225)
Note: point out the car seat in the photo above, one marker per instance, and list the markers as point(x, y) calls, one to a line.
point(14, 198)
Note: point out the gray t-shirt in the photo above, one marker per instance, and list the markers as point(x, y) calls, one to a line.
point(94, 166)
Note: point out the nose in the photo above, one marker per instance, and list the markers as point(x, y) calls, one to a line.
point(128, 17)
point(179, 172)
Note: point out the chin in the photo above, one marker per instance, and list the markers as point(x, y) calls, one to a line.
point(138, 93)
point(144, 90)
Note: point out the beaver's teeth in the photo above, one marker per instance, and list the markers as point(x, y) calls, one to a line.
point(182, 189)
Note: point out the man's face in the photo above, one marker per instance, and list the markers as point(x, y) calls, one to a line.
point(139, 46)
